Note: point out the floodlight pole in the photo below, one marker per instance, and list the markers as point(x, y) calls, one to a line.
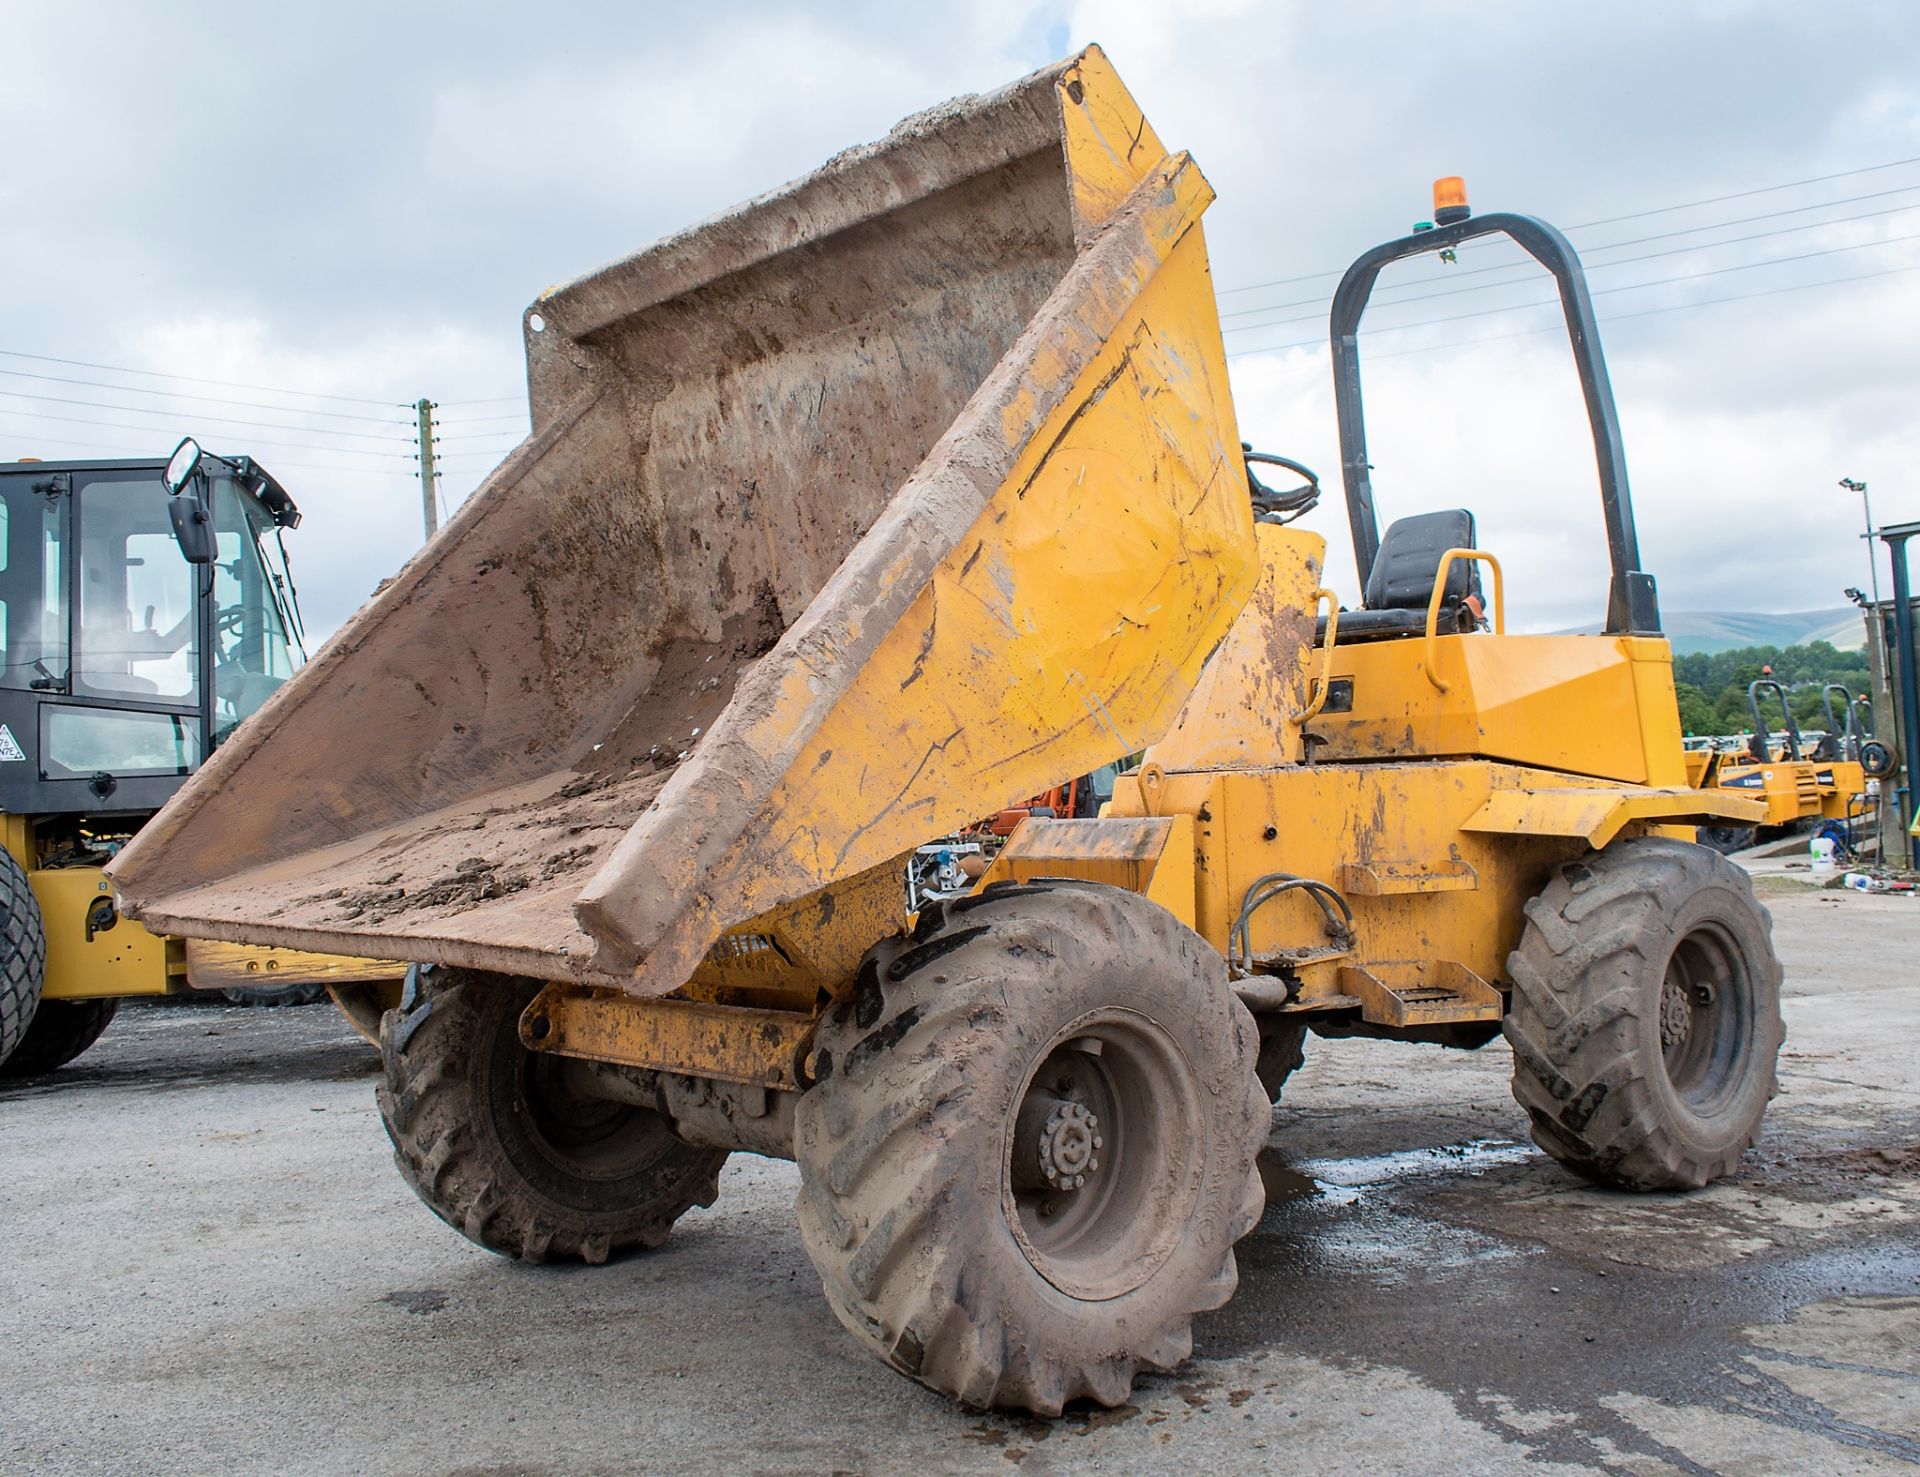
point(1873, 564)
point(1895, 537)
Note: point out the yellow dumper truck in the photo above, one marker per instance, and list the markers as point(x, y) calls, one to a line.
point(896, 495)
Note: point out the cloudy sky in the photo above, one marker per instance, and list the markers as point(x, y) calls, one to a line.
point(261, 206)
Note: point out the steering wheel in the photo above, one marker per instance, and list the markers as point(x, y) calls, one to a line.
point(1285, 505)
point(235, 621)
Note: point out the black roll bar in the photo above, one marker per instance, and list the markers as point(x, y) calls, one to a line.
point(1632, 603)
point(1762, 748)
point(1848, 728)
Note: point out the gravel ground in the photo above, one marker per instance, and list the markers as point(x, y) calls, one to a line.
point(212, 1266)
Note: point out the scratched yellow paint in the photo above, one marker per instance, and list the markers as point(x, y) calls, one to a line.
point(1435, 858)
point(1235, 717)
point(1066, 628)
point(1151, 855)
point(1594, 705)
point(1067, 625)
point(1110, 146)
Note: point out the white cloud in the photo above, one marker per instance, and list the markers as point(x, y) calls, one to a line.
point(358, 201)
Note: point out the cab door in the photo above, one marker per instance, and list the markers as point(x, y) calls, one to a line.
point(113, 653)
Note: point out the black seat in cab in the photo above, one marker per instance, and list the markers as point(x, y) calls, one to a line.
point(1401, 582)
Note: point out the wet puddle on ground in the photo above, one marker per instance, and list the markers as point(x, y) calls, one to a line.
point(1344, 1213)
point(1345, 1181)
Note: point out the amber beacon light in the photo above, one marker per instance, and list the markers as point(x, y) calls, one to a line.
point(1450, 201)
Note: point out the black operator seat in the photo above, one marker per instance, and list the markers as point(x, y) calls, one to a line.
point(1401, 582)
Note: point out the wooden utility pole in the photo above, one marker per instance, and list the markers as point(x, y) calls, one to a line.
point(429, 504)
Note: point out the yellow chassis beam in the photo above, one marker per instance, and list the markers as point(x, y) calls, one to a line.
point(733, 1043)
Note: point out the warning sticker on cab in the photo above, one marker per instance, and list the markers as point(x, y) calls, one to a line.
point(10, 750)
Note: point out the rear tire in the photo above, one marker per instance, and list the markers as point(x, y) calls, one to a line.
point(499, 1144)
point(266, 995)
point(61, 1030)
point(1283, 1051)
point(1064, 1027)
point(1645, 1021)
point(1727, 839)
point(23, 956)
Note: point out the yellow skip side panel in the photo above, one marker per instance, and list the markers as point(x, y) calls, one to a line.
point(1100, 658)
point(1109, 145)
point(1067, 626)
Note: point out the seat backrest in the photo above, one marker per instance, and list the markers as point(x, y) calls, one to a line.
point(1409, 561)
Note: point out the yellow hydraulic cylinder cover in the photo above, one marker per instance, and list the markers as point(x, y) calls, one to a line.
point(882, 500)
point(1252, 698)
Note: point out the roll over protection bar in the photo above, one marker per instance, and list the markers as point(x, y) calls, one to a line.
point(1632, 603)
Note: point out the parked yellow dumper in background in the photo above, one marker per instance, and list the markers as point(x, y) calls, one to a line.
point(897, 495)
point(1796, 782)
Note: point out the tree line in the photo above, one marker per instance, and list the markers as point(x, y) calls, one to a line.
point(1712, 685)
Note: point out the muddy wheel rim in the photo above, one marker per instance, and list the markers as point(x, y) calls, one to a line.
point(574, 1131)
point(1705, 1018)
point(1103, 1155)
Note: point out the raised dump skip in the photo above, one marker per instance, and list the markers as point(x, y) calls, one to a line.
point(849, 515)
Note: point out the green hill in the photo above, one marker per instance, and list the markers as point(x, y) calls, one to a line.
point(1731, 630)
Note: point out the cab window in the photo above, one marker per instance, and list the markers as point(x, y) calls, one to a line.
point(77, 743)
point(33, 612)
point(253, 650)
point(136, 635)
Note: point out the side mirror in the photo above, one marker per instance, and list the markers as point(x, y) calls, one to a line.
point(192, 526)
point(181, 466)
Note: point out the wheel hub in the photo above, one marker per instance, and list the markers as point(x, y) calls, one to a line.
point(1056, 1145)
point(1069, 1140)
point(1676, 1013)
point(1101, 1168)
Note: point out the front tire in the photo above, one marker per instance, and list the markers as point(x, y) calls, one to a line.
point(1645, 1021)
point(1031, 1144)
point(23, 956)
point(61, 1030)
point(499, 1143)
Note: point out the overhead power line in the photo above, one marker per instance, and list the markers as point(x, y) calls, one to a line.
point(1645, 256)
point(81, 420)
point(195, 379)
point(1603, 291)
point(1623, 287)
point(145, 453)
point(1818, 179)
point(1611, 220)
point(180, 416)
point(204, 399)
point(1527, 264)
point(1493, 338)
point(1736, 297)
point(490, 420)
